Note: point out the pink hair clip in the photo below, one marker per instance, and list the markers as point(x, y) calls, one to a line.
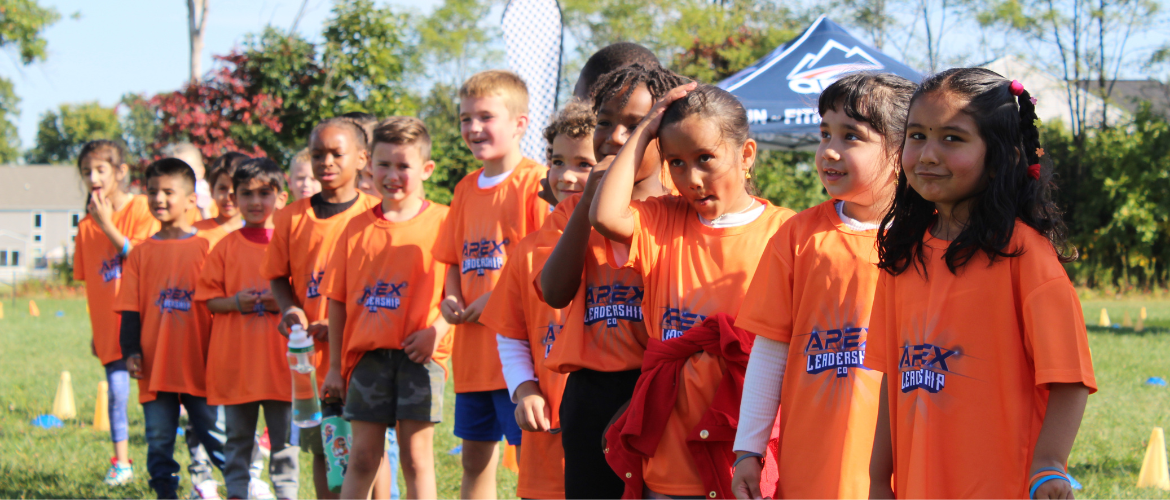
point(1017, 88)
point(1034, 100)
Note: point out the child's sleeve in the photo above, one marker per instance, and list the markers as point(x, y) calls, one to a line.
point(212, 279)
point(882, 325)
point(537, 211)
point(1055, 336)
point(767, 309)
point(450, 243)
point(334, 284)
point(128, 293)
point(276, 256)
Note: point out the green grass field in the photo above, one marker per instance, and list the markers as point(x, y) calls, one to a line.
point(70, 462)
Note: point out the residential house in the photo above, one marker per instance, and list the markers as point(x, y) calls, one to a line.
point(40, 207)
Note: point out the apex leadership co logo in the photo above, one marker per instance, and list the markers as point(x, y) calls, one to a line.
point(112, 269)
point(611, 303)
point(676, 321)
point(924, 366)
point(837, 350)
point(483, 255)
point(313, 290)
point(550, 336)
point(814, 72)
point(175, 299)
point(382, 295)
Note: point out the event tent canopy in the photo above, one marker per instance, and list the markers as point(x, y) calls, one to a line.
point(780, 91)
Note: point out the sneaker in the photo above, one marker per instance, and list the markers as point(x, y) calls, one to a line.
point(118, 474)
point(206, 490)
point(260, 490)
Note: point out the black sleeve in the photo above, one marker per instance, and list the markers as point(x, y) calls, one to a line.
point(130, 335)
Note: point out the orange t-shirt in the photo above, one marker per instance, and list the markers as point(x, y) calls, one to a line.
point(484, 225)
point(300, 249)
point(386, 275)
point(211, 230)
point(243, 346)
point(194, 215)
point(972, 355)
point(813, 289)
point(158, 282)
point(99, 265)
point(516, 311)
point(605, 331)
point(691, 271)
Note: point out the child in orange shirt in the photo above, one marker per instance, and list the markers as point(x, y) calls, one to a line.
point(227, 218)
point(387, 339)
point(245, 344)
point(976, 327)
point(528, 327)
point(696, 252)
point(164, 331)
point(492, 209)
point(302, 241)
point(814, 288)
point(605, 339)
point(117, 221)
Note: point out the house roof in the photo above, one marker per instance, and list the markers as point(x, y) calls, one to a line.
point(41, 187)
point(1130, 94)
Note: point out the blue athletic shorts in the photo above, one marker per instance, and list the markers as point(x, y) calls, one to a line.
point(485, 416)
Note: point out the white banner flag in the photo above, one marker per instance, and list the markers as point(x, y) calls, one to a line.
point(532, 38)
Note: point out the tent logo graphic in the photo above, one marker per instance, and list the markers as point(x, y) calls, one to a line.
point(814, 72)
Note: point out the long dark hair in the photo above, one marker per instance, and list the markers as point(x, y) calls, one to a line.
point(1007, 124)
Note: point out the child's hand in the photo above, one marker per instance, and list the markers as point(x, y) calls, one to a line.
point(319, 330)
point(452, 309)
point(294, 316)
point(420, 346)
point(101, 208)
point(269, 301)
point(532, 412)
point(134, 366)
point(595, 176)
point(333, 387)
point(654, 118)
point(746, 482)
point(1055, 488)
point(246, 300)
point(474, 309)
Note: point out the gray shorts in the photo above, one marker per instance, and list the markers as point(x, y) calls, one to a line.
point(386, 387)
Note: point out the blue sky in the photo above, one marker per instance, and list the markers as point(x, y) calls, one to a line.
point(124, 46)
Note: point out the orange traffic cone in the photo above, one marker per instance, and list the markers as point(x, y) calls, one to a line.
point(64, 406)
point(33, 310)
point(101, 409)
point(1154, 473)
point(510, 459)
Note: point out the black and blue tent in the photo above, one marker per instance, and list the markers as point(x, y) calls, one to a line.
point(780, 91)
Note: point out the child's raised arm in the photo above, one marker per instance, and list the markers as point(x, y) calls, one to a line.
point(610, 209)
point(561, 276)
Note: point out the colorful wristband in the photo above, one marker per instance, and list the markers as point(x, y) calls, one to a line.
point(747, 455)
point(1043, 476)
point(125, 246)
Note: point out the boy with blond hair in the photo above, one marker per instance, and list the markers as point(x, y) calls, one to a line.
point(492, 209)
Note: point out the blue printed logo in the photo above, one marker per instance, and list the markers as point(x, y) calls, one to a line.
point(550, 336)
point(611, 303)
point(675, 322)
point(483, 255)
point(112, 269)
point(924, 366)
point(315, 278)
point(837, 350)
point(382, 295)
point(175, 299)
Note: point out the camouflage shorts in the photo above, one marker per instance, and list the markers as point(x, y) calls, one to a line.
point(386, 386)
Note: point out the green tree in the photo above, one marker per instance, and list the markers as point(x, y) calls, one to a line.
point(22, 25)
point(453, 43)
point(440, 111)
point(62, 133)
point(140, 127)
point(718, 40)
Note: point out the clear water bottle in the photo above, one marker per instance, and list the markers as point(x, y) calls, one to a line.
point(306, 409)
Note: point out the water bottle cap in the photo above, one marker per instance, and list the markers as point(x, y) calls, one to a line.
point(298, 338)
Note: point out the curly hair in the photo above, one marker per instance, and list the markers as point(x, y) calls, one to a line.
point(575, 120)
point(1007, 125)
point(620, 84)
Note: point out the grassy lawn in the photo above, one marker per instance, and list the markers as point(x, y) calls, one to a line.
point(70, 462)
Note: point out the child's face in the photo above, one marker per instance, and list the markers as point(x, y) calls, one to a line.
point(399, 171)
point(943, 154)
point(570, 164)
point(336, 157)
point(101, 177)
point(169, 197)
point(302, 181)
point(707, 170)
point(851, 159)
point(221, 192)
point(365, 182)
point(257, 201)
point(488, 128)
point(615, 124)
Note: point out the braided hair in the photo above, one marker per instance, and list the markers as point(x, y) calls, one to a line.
point(1019, 186)
point(621, 83)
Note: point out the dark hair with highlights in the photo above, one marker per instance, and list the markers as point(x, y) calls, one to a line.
point(716, 105)
point(110, 151)
point(1007, 126)
point(262, 169)
point(171, 167)
point(612, 57)
point(621, 83)
point(880, 100)
point(226, 164)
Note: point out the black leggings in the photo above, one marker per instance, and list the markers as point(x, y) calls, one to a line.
point(590, 400)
